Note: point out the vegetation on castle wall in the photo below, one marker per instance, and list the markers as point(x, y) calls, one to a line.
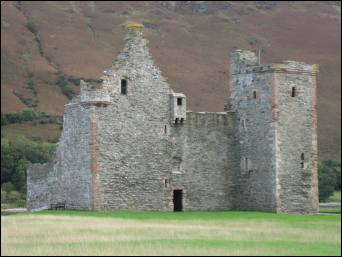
point(15, 156)
point(329, 178)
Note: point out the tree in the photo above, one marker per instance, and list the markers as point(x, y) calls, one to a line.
point(29, 114)
point(327, 179)
point(4, 120)
point(16, 154)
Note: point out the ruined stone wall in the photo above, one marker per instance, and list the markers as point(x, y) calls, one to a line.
point(68, 179)
point(73, 157)
point(297, 140)
point(205, 161)
point(251, 98)
point(40, 177)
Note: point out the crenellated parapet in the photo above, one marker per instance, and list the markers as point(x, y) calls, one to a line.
point(245, 62)
point(291, 67)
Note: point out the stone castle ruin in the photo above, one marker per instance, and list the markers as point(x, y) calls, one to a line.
point(128, 143)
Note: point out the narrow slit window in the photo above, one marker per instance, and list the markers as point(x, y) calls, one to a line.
point(179, 101)
point(246, 164)
point(165, 130)
point(302, 156)
point(254, 94)
point(124, 87)
point(244, 123)
point(293, 92)
point(302, 161)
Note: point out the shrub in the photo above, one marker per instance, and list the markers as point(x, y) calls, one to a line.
point(30, 83)
point(25, 100)
point(29, 114)
point(7, 187)
point(32, 27)
point(63, 83)
point(3, 195)
point(15, 155)
point(14, 196)
point(327, 178)
point(4, 120)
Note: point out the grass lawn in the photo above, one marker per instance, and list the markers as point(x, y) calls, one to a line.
point(330, 210)
point(336, 197)
point(155, 233)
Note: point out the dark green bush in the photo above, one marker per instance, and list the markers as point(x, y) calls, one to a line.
point(63, 83)
point(7, 187)
point(29, 115)
point(32, 27)
point(30, 83)
point(329, 178)
point(16, 154)
point(4, 120)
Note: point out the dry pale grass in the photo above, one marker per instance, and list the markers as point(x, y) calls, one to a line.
point(69, 235)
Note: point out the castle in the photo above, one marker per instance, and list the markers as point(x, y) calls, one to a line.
point(128, 142)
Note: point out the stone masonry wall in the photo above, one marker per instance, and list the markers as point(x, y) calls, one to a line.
point(142, 158)
point(296, 135)
point(251, 98)
point(133, 133)
point(257, 176)
point(73, 157)
point(206, 160)
point(68, 179)
point(40, 177)
point(278, 139)
point(122, 149)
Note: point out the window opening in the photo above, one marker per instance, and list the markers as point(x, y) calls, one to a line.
point(124, 87)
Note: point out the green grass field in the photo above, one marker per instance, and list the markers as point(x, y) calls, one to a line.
point(155, 233)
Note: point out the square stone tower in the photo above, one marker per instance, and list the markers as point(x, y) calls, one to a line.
point(276, 110)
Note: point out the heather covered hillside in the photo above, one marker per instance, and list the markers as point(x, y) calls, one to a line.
point(46, 47)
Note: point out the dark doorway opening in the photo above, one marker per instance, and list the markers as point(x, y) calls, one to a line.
point(177, 200)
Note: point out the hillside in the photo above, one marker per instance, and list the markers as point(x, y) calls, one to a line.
point(46, 47)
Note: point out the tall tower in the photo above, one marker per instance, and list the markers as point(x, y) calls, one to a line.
point(276, 109)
